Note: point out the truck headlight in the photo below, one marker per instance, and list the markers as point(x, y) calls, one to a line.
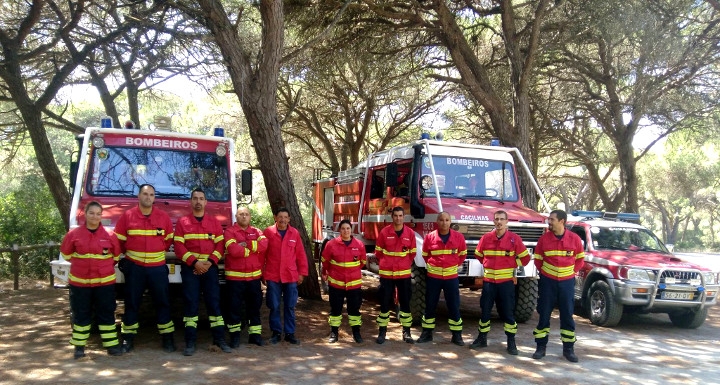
point(637, 275)
point(710, 278)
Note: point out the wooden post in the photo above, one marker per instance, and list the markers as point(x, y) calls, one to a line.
point(15, 260)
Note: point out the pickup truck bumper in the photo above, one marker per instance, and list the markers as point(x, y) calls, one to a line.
point(652, 296)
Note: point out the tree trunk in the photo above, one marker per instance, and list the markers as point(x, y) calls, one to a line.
point(628, 173)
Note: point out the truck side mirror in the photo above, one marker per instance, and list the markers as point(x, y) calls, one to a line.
point(246, 182)
point(73, 173)
point(391, 175)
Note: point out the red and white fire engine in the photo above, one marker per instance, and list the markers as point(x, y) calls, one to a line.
point(426, 177)
point(113, 163)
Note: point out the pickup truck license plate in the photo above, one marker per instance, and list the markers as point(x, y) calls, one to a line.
point(676, 295)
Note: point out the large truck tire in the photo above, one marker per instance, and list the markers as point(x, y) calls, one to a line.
point(688, 318)
point(602, 308)
point(526, 296)
point(417, 301)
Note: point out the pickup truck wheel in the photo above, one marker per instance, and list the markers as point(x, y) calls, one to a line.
point(687, 318)
point(526, 295)
point(602, 308)
point(417, 301)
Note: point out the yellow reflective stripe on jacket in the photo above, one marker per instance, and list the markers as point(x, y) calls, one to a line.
point(200, 257)
point(498, 253)
point(345, 264)
point(499, 273)
point(390, 273)
point(241, 274)
point(121, 237)
point(558, 271)
point(90, 256)
point(398, 253)
point(146, 257)
point(230, 242)
point(442, 271)
point(152, 232)
point(109, 278)
point(202, 236)
point(356, 282)
point(445, 252)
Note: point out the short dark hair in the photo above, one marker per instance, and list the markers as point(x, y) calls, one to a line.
point(282, 209)
point(501, 212)
point(560, 214)
point(92, 204)
point(398, 208)
point(197, 190)
point(142, 186)
point(342, 222)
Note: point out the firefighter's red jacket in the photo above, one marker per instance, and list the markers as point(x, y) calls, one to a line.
point(559, 259)
point(92, 256)
point(244, 253)
point(285, 259)
point(500, 257)
point(343, 263)
point(395, 253)
point(199, 240)
point(442, 259)
point(145, 239)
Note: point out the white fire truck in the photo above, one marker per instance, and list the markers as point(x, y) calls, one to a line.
point(426, 177)
point(112, 163)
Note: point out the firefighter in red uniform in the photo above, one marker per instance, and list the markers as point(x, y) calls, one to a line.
point(244, 260)
point(342, 261)
point(443, 250)
point(558, 256)
point(199, 243)
point(395, 249)
point(145, 234)
point(286, 266)
point(501, 252)
point(92, 253)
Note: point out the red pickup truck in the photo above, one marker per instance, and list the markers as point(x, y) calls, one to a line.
point(628, 269)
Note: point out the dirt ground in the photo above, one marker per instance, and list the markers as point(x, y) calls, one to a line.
point(644, 349)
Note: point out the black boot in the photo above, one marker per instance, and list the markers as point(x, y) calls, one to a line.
point(539, 352)
point(356, 334)
point(168, 343)
point(381, 335)
point(333, 335)
point(457, 339)
point(275, 337)
point(569, 351)
point(407, 337)
point(115, 350)
point(425, 336)
point(290, 337)
point(511, 347)
point(222, 345)
point(79, 352)
point(190, 348)
point(480, 341)
point(128, 343)
point(255, 339)
point(235, 340)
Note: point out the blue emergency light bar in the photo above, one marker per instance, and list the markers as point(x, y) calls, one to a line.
point(630, 217)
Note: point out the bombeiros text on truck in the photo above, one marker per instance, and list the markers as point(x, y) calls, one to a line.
point(113, 163)
point(425, 177)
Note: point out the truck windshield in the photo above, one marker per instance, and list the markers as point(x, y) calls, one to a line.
point(626, 238)
point(119, 171)
point(472, 178)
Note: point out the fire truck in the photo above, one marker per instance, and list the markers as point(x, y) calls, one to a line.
point(113, 163)
point(426, 177)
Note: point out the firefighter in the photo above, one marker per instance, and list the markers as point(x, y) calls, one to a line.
point(342, 261)
point(395, 249)
point(286, 266)
point(92, 253)
point(558, 256)
point(199, 243)
point(443, 250)
point(245, 255)
point(501, 252)
point(145, 234)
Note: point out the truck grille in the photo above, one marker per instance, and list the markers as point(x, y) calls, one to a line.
point(680, 276)
point(475, 232)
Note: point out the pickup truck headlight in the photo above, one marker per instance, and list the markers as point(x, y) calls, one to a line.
point(638, 275)
point(710, 278)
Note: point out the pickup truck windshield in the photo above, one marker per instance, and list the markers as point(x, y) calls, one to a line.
point(626, 238)
point(119, 171)
point(472, 178)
